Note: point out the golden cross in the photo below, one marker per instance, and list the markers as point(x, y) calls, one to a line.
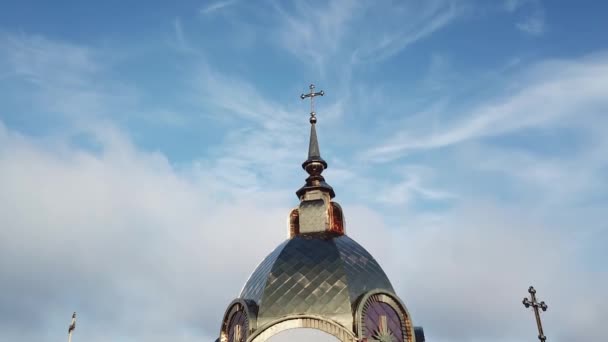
point(312, 94)
point(535, 305)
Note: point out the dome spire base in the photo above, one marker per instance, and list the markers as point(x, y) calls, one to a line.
point(314, 164)
point(316, 212)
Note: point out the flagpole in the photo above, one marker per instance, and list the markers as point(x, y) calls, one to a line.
point(72, 327)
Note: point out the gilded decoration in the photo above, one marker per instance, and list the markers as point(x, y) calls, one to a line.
point(381, 316)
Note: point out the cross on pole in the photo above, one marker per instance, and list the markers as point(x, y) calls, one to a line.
point(72, 327)
point(535, 305)
point(312, 94)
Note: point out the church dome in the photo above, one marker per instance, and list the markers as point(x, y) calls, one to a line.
point(320, 274)
point(319, 277)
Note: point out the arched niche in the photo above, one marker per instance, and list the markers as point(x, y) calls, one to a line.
point(238, 323)
point(271, 329)
point(382, 316)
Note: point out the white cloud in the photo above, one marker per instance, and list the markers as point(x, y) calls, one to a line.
point(533, 24)
point(513, 5)
point(122, 234)
point(144, 249)
point(260, 128)
point(315, 33)
point(334, 34)
point(179, 34)
point(403, 188)
point(421, 20)
point(217, 6)
point(463, 273)
point(561, 180)
point(32, 57)
point(73, 84)
point(549, 93)
point(66, 80)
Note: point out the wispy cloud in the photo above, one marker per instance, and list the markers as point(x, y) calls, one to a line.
point(410, 190)
point(66, 79)
point(261, 127)
point(534, 21)
point(75, 82)
point(217, 6)
point(421, 20)
point(574, 176)
point(550, 91)
point(534, 24)
point(334, 32)
point(316, 32)
point(180, 38)
point(403, 188)
point(439, 73)
point(514, 5)
point(41, 61)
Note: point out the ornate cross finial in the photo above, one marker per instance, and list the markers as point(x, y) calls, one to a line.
point(312, 94)
point(314, 164)
point(535, 305)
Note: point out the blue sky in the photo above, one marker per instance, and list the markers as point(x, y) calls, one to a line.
point(142, 144)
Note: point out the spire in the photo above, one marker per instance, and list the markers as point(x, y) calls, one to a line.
point(314, 165)
point(313, 146)
point(314, 153)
